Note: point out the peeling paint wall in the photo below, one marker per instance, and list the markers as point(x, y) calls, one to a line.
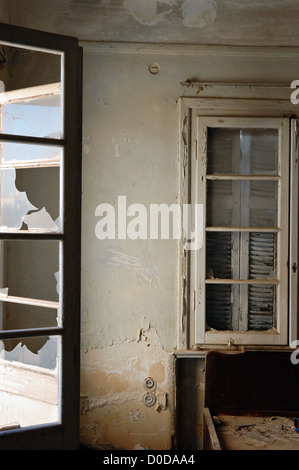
point(113, 395)
point(147, 13)
point(198, 14)
point(194, 13)
point(130, 287)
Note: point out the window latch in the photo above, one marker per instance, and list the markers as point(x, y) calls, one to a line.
point(2, 58)
point(294, 268)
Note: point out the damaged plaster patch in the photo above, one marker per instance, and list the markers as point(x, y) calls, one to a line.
point(112, 390)
point(195, 13)
point(198, 13)
point(106, 381)
point(144, 270)
point(147, 12)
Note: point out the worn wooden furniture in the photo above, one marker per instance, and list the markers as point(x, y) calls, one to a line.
point(251, 400)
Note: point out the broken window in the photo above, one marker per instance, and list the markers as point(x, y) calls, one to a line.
point(30, 180)
point(34, 196)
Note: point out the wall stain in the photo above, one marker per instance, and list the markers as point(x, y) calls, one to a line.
point(112, 408)
point(198, 13)
point(195, 13)
point(147, 12)
point(144, 270)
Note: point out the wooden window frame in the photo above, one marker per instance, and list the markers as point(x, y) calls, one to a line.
point(198, 276)
point(191, 327)
point(63, 435)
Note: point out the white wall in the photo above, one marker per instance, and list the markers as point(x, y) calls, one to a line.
point(129, 287)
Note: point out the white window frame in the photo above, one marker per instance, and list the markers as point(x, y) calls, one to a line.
point(192, 332)
point(199, 179)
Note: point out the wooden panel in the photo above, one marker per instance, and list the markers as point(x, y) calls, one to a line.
point(211, 441)
point(31, 382)
point(39, 438)
point(252, 382)
point(66, 437)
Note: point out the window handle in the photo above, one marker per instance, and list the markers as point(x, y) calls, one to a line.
point(294, 268)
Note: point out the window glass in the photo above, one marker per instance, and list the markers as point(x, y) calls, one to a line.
point(242, 151)
point(242, 192)
point(242, 203)
point(31, 102)
point(29, 385)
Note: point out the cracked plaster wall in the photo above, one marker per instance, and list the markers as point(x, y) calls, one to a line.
point(112, 410)
point(130, 287)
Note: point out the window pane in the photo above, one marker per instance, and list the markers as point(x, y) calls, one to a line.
point(242, 203)
point(262, 255)
point(242, 151)
point(38, 117)
point(219, 306)
point(15, 316)
point(245, 255)
point(31, 102)
point(29, 381)
point(219, 255)
point(241, 256)
point(30, 269)
point(240, 307)
point(261, 307)
point(30, 199)
point(16, 154)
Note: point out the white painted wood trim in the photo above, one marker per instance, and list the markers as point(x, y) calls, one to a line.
point(243, 107)
point(189, 49)
point(198, 281)
point(183, 326)
point(28, 301)
point(293, 261)
point(26, 94)
point(198, 257)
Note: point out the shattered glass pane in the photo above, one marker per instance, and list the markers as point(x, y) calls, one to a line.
point(30, 199)
point(29, 381)
point(31, 105)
